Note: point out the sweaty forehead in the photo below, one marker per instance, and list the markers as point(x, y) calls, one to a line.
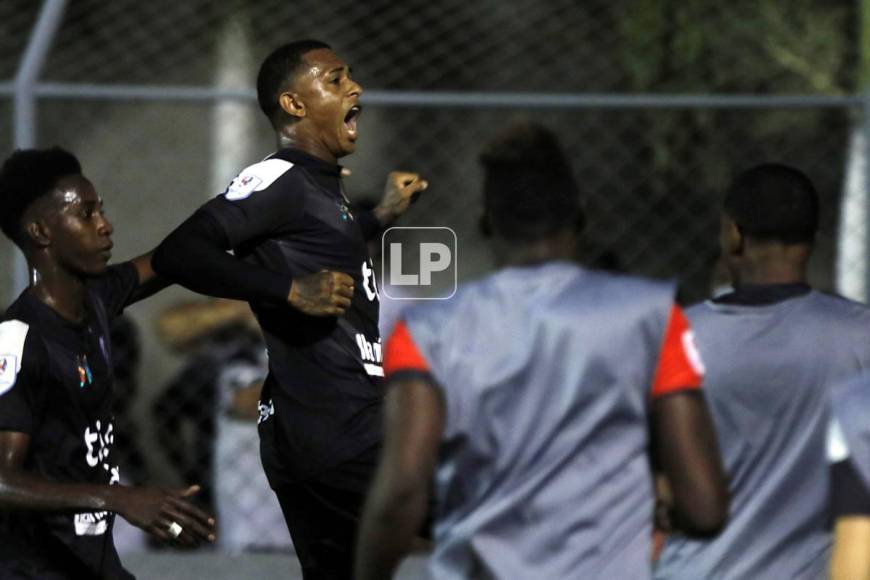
point(75, 189)
point(320, 61)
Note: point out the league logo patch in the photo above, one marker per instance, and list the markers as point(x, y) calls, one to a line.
point(85, 376)
point(243, 186)
point(692, 353)
point(344, 210)
point(8, 371)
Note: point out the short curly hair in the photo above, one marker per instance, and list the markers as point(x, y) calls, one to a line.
point(27, 175)
point(278, 71)
point(529, 189)
point(774, 202)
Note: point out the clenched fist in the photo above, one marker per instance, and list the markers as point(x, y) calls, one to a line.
point(322, 294)
point(402, 189)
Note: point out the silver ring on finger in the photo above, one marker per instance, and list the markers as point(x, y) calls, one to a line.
point(175, 530)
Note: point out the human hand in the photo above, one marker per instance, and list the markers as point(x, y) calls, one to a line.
point(323, 293)
point(167, 514)
point(402, 189)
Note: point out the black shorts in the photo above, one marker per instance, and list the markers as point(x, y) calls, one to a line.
point(323, 517)
point(323, 523)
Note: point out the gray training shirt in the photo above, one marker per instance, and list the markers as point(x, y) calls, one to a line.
point(547, 373)
point(769, 370)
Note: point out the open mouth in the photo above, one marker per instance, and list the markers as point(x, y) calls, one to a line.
point(350, 121)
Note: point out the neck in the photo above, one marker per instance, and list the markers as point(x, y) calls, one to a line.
point(59, 289)
point(290, 137)
point(772, 264)
point(557, 247)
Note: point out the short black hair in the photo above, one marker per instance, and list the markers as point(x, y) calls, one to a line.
point(277, 72)
point(529, 189)
point(27, 175)
point(774, 202)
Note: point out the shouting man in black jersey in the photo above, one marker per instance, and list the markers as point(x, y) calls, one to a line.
point(58, 479)
point(300, 259)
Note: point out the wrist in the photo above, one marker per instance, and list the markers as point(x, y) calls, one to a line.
point(384, 216)
point(114, 498)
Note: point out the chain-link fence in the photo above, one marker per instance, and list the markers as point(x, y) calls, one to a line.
point(658, 102)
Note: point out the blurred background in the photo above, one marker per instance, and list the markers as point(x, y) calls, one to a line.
point(659, 103)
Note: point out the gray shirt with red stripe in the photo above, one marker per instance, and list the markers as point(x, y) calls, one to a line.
point(769, 370)
point(546, 373)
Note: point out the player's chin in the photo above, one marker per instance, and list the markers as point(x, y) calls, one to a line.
point(98, 266)
point(347, 141)
point(346, 148)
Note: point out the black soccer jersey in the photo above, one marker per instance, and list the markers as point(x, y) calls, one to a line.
point(56, 386)
point(288, 215)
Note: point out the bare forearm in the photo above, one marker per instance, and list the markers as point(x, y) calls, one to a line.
point(21, 490)
point(850, 559)
point(390, 526)
point(149, 282)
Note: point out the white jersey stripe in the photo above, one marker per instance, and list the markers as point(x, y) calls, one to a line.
point(12, 336)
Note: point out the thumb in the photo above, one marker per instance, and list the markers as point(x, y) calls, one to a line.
point(191, 491)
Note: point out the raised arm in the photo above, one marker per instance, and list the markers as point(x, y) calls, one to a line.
point(149, 282)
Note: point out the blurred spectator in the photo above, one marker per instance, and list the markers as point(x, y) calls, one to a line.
point(214, 334)
point(249, 515)
point(216, 394)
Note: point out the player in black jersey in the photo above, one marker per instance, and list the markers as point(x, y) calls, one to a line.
point(301, 261)
point(59, 486)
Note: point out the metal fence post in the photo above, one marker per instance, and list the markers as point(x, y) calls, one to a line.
point(24, 104)
point(865, 258)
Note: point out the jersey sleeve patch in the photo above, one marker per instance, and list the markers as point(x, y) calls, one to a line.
point(12, 336)
point(257, 177)
point(401, 353)
point(680, 366)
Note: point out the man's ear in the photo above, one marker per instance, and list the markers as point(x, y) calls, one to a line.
point(731, 238)
point(38, 232)
point(292, 104)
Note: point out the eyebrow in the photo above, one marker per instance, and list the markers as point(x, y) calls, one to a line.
point(340, 69)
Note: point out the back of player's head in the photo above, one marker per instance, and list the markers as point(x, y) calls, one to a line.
point(774, 202)
point(529, 189)
point(277, 72)
point(27, 175)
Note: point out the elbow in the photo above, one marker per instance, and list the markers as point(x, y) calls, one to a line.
point(161, 262)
